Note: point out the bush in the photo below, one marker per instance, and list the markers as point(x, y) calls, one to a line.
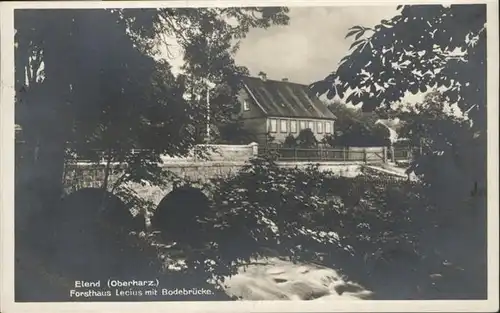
point(306, 139)
point(290, 141)
point(375, 229)
point(372, 227)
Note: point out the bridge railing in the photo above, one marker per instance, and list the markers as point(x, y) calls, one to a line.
point(202, 152)
point(320, 153)
point(340, 154)
point(405, 154)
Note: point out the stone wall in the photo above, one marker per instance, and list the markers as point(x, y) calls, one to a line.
point(222, 160)
point(218, 153)
point(86, 175)
point(232, 152)
point(225, 160)
point(200, 172)
point(344, 169)
point(82, 176)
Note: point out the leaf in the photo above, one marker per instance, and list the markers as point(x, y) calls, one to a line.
point(350, 97)
point(340, 91)
point(352, 32)
point(414, 88)
point(357, 42)
point(344, 59)
point(353, 98)
point(356, 27)
point(331, 94)
point(361, 33)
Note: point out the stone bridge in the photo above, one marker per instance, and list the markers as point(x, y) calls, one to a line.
point(224, 161)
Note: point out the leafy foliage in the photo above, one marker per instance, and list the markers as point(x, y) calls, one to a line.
point(306, 138)
point(354, 128)
point(234, 132)
point(90, 84)
point(425, 47)
point(265, 208)
point(97, 76)
point(290, 141)
point(373, 228)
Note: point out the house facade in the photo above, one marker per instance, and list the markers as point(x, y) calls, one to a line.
point(271, 108)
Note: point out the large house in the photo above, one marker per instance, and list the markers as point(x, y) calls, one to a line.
point(280, 108)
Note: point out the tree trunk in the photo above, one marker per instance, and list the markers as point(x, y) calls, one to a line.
point(49, 169)
point(107, 169)
point(104, 187)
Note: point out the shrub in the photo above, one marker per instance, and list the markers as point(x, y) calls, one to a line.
point(373, 228)
point(306, 138)
point(290, 141)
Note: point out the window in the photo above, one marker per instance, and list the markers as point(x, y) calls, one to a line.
point(302, 125)
point(246, 107)
point(319, 127)
point(311, 126)
point(273, 125)
point(293, 126)
point(328, 128)
point(283, 126)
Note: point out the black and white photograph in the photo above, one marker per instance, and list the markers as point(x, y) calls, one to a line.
point(256, 154)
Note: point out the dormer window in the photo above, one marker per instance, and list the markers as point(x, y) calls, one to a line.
point(246, 107)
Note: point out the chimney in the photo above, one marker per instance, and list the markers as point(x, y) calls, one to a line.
point(284, 79)
point(263, 76)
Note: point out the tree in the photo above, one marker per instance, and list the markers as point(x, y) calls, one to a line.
point(385, 64)
point(290, 141)
point(306, 138)
point(355, 128)
point(443, 139)
point(94, 74)
point(329, 139)
point(424, 47)
point(233, 132)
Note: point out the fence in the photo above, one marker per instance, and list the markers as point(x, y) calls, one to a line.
point(325, 153)
point(404, 154)
point(201, 152)
point(368, 155)
point(245, 152)
point(401, 154)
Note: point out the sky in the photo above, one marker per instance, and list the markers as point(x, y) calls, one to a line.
point(311, 46)
point(307, 49)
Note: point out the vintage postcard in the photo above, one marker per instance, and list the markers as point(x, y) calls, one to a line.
point(249, 156)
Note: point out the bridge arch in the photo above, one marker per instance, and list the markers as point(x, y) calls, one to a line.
point(89, 205)
point(180, 214)
point(91, 235)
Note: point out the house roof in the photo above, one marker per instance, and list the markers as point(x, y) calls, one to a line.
point(286, 99)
